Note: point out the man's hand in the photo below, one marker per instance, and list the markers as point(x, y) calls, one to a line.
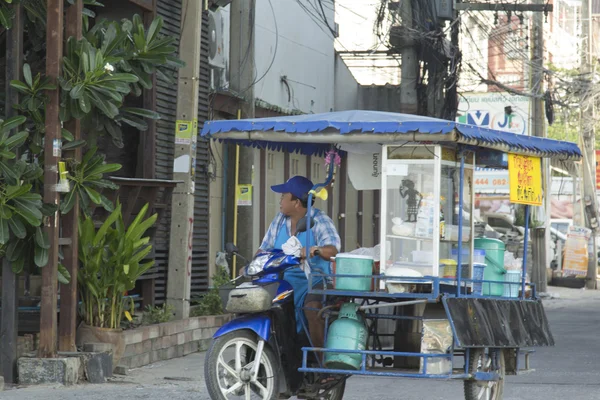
point(325, 252)
point(313, 250)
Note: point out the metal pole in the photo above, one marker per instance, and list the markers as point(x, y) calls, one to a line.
point(182, 206)
point(589, 137)
point(460, 220)
point(54, 53)
point(525, 243)
point(67, 327)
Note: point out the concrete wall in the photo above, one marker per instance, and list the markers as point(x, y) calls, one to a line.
point(346, 88)
point(304, 53)
point(160, 342)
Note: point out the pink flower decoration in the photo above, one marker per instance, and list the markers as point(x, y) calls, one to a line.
point(333, 155)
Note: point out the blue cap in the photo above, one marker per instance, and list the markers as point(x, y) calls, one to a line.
point(296, 185)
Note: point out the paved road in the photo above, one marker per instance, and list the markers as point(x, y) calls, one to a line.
point(571, 370)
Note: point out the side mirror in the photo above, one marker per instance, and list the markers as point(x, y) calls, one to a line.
point(231, 248)
point(302, 227)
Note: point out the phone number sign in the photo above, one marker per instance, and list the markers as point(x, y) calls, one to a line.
point(525, 179)
point(490, 181)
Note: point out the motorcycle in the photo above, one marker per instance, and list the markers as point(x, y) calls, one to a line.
point(258, 354)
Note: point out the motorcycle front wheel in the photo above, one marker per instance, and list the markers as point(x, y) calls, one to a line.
point(229, 368)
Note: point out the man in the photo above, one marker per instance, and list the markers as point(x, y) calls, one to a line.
point(293, 207)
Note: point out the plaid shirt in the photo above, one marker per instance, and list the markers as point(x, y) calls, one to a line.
point(324, 230)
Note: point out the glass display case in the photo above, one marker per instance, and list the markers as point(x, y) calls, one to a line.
point(420, 210)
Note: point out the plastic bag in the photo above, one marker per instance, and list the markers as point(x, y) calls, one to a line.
point(221, 261)
point(374, 252)
point(292, 247)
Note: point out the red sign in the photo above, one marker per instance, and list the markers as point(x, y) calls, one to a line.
point(597, 169)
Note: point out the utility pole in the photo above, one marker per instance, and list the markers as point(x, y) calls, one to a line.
point(541, 240)
point(242, 64)
point(410, 64)
point(589, 140)
point(54, 53)
point(9, 324)
point(186, 133)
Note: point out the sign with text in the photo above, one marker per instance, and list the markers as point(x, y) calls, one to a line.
point(525, 179)
point(491, 180)
point(244, 195)
point(597, 169)
point(489, 110)
point(576, 251)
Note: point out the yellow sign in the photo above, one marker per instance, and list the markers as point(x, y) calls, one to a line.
point(244, 195)
point(184, 132)
point(575, 261)
point(525, 179)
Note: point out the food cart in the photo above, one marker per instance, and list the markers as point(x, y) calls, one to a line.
point(438, 305)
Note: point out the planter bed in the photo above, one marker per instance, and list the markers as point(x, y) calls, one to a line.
point(152, 343)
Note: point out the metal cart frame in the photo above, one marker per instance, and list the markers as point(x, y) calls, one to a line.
point(500, 326)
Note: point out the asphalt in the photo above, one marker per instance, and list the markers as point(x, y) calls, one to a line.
point(570, 370)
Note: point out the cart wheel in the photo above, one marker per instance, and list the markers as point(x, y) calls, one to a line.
point(485, 360)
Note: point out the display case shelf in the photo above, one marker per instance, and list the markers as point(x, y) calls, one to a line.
point(421, 191)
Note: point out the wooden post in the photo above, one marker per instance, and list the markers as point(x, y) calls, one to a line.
point(9, 323)
point(68, 293)
point(54, 53)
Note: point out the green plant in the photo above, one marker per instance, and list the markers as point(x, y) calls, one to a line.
point(87, 180)
point(112, 61)
point(111, 262)
point(210, 302)
point(158, 315)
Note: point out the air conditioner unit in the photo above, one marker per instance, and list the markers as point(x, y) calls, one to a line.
point(218, 49)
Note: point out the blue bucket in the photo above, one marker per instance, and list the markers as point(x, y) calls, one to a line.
point(512, 289)
point(478, 275)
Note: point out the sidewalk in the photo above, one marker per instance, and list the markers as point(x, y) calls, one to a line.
point(176, 379)
point(183, 378)
point(562, 293)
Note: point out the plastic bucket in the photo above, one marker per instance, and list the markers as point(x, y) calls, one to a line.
point(350, 264)
point(478, 274)
point(478, 255)
point(512, 290)
point(494, 260)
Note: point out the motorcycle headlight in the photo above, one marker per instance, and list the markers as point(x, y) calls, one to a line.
point(257, 264)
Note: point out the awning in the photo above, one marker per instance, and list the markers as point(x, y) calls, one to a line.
point(312, 134)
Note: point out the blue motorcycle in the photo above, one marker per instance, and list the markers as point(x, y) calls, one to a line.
point(258, 354)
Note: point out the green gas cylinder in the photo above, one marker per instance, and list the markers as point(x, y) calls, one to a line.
point(348, 332)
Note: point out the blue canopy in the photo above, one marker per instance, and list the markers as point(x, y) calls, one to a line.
point(315, 133)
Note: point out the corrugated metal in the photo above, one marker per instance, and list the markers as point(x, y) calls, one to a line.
point(200, 251)
point(170, 11)
point(166, 104)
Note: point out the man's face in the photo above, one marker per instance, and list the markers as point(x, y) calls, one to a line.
point(287, 206)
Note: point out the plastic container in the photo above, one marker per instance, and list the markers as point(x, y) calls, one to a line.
point(494, 261)
point(512, 290)
point(449, 269)
point(450, 232)
point(422, 257)
point(351, 264)
point(478, 274)
point(478, 255)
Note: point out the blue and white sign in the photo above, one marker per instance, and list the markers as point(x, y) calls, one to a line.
point(488, 110)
